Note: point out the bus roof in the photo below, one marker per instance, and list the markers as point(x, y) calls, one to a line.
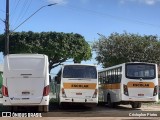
point(26, 55)
point(119, 65)
point(79, 64)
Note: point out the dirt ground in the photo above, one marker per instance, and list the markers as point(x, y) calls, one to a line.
point(123, 112)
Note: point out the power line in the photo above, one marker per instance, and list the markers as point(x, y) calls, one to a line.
point(119, 18)
point(26, 10)
point(14, 9)
point(21, 11)
point(33, 15)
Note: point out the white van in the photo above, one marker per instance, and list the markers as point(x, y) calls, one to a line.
point(26, 81)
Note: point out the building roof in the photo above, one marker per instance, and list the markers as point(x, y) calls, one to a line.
point(1, 67)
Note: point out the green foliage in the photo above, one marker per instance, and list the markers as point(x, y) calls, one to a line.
point(58, 46)
point(120, 48)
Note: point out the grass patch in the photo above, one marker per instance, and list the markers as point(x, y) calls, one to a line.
point(53, 100)
point(154, 103)
point(158, 102)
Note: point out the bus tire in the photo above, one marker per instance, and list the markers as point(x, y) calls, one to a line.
point(136, 105)
point(45, 108)
point(139, 105)
point(110, 104)
point(115, 104)
point(40, 108)
point(101, 103)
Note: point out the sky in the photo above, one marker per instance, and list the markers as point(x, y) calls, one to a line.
point(86, 17)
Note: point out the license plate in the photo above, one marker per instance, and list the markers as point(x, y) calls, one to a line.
point(25, 93)
point(78, 93)
point(140, 94)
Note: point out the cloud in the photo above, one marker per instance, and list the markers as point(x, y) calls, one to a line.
point(150, 2)
point(147, 2)
point(58, 1)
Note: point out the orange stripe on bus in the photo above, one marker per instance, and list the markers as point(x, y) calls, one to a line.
point(111, 86)
point(140, 85)
point(79, 85)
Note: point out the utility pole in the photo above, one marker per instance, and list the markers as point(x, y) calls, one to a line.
point(7, 31)
point(7, 28)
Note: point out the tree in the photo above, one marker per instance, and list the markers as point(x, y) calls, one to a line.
point(126, 47)
point(58, 46)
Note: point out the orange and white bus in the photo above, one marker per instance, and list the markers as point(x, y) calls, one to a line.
point(78, 84)
point(128, 83)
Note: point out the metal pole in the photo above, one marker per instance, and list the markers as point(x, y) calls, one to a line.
point(7, 29)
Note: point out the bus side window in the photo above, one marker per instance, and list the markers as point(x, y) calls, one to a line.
point(109, 77)
point(112, 76)
point(106, 77)
point(119, 74)
point(103, 77)
point(116, 75)
point(100, 78)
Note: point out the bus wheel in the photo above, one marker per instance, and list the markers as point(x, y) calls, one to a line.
point(139, 105)
point(115, 104)
point(110, 104)
point(101, 103)
point(136, 105)
point(45, 108)
point(40, 108)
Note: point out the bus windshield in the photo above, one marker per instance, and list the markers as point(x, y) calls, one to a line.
point(140, 71)
point(79, 71)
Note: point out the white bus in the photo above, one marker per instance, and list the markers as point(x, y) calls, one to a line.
point(1, 79)
point(26, 81)
point(128, 83)
point(78, 84)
